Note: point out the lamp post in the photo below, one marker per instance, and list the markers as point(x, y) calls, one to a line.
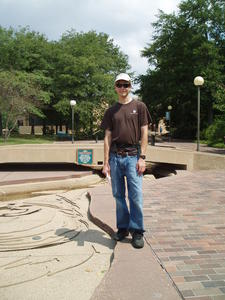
point(72, 104)
point(198, 81)
point(169, 109)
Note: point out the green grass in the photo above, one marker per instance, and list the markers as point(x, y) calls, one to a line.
point(218, 144)
point(27, 139)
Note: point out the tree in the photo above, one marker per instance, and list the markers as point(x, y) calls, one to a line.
point(185, 45)
point(20, 93)
point(24, 50)
point(79, 66)
point(84, 69)
point(0, 124)
point(23, 53)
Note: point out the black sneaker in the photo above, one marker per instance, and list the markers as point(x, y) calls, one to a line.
point(137, 240)
point(121, 234)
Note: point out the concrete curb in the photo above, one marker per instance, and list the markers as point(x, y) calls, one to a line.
point(66, 184)
point(97, 221)
point(134, 273)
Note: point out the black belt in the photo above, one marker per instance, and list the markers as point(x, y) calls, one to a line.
point(125, 153)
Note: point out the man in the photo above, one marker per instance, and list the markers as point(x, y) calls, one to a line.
point(125, 124)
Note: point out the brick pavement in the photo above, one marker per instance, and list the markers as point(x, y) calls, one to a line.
point(185, 227)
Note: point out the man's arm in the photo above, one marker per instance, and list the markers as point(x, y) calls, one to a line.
point(144, 139)
point(107, 144)
point(144, 143)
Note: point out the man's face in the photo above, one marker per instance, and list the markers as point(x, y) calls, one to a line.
point(123, 88)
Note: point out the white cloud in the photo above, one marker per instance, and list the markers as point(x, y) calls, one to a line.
point(128, 22)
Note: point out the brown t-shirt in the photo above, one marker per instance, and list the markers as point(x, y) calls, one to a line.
point(125, 122)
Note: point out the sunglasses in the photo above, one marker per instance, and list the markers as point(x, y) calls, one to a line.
point(124, 85)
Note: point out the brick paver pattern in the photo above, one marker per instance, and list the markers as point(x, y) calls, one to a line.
point(185, 227)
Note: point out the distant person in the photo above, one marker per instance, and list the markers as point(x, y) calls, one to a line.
point(162, 127)
point(160, 130)
point(125, 124)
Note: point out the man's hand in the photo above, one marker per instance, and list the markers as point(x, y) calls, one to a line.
point(140, 166)
point(106, 169)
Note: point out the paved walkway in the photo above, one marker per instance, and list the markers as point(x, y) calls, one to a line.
point(184, 145)
point(184, 253)
point(185, 235)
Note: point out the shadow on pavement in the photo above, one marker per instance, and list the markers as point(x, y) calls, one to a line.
point(91, 236)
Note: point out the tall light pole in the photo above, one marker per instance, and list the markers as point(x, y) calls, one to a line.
point(72, 104)
point(169, 109)
point(198, 81)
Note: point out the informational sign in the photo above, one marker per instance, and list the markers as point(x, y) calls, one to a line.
point(85, 156)
point(168, 115)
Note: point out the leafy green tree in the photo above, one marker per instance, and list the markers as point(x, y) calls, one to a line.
point(84, 68)
point(24, 50)
point(27, 52)
point(215, 132)
point(20, 93)
point(79, 66)
point(219, 105)
point(185, 45)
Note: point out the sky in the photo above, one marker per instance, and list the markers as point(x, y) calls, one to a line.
point(127, 22)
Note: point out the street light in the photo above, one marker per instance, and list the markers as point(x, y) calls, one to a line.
point(198, 81)
point(169, 115)
point(72, 104)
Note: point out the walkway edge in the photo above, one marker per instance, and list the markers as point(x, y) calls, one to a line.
point(134, 274)
point(66, 184)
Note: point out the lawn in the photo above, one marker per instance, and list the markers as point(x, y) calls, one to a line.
point(27, 139)
point(219, 144)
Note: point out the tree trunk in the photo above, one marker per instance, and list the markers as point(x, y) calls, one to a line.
point(91, 126)
point(210, 114)
point(44, 127)
point(6, 129)
point(31, 123)
point(0, 125)
point(32, 129)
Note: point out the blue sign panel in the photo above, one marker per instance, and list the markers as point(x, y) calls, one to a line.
point(85, 156)
point(168, 115)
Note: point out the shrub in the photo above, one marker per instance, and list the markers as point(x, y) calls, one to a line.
point(216, 132)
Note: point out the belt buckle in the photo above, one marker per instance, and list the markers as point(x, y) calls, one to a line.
point(123, 153)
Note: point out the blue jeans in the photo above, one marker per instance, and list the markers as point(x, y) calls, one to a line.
point(121, 167)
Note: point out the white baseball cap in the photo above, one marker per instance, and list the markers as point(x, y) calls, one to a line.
point(123, 76)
